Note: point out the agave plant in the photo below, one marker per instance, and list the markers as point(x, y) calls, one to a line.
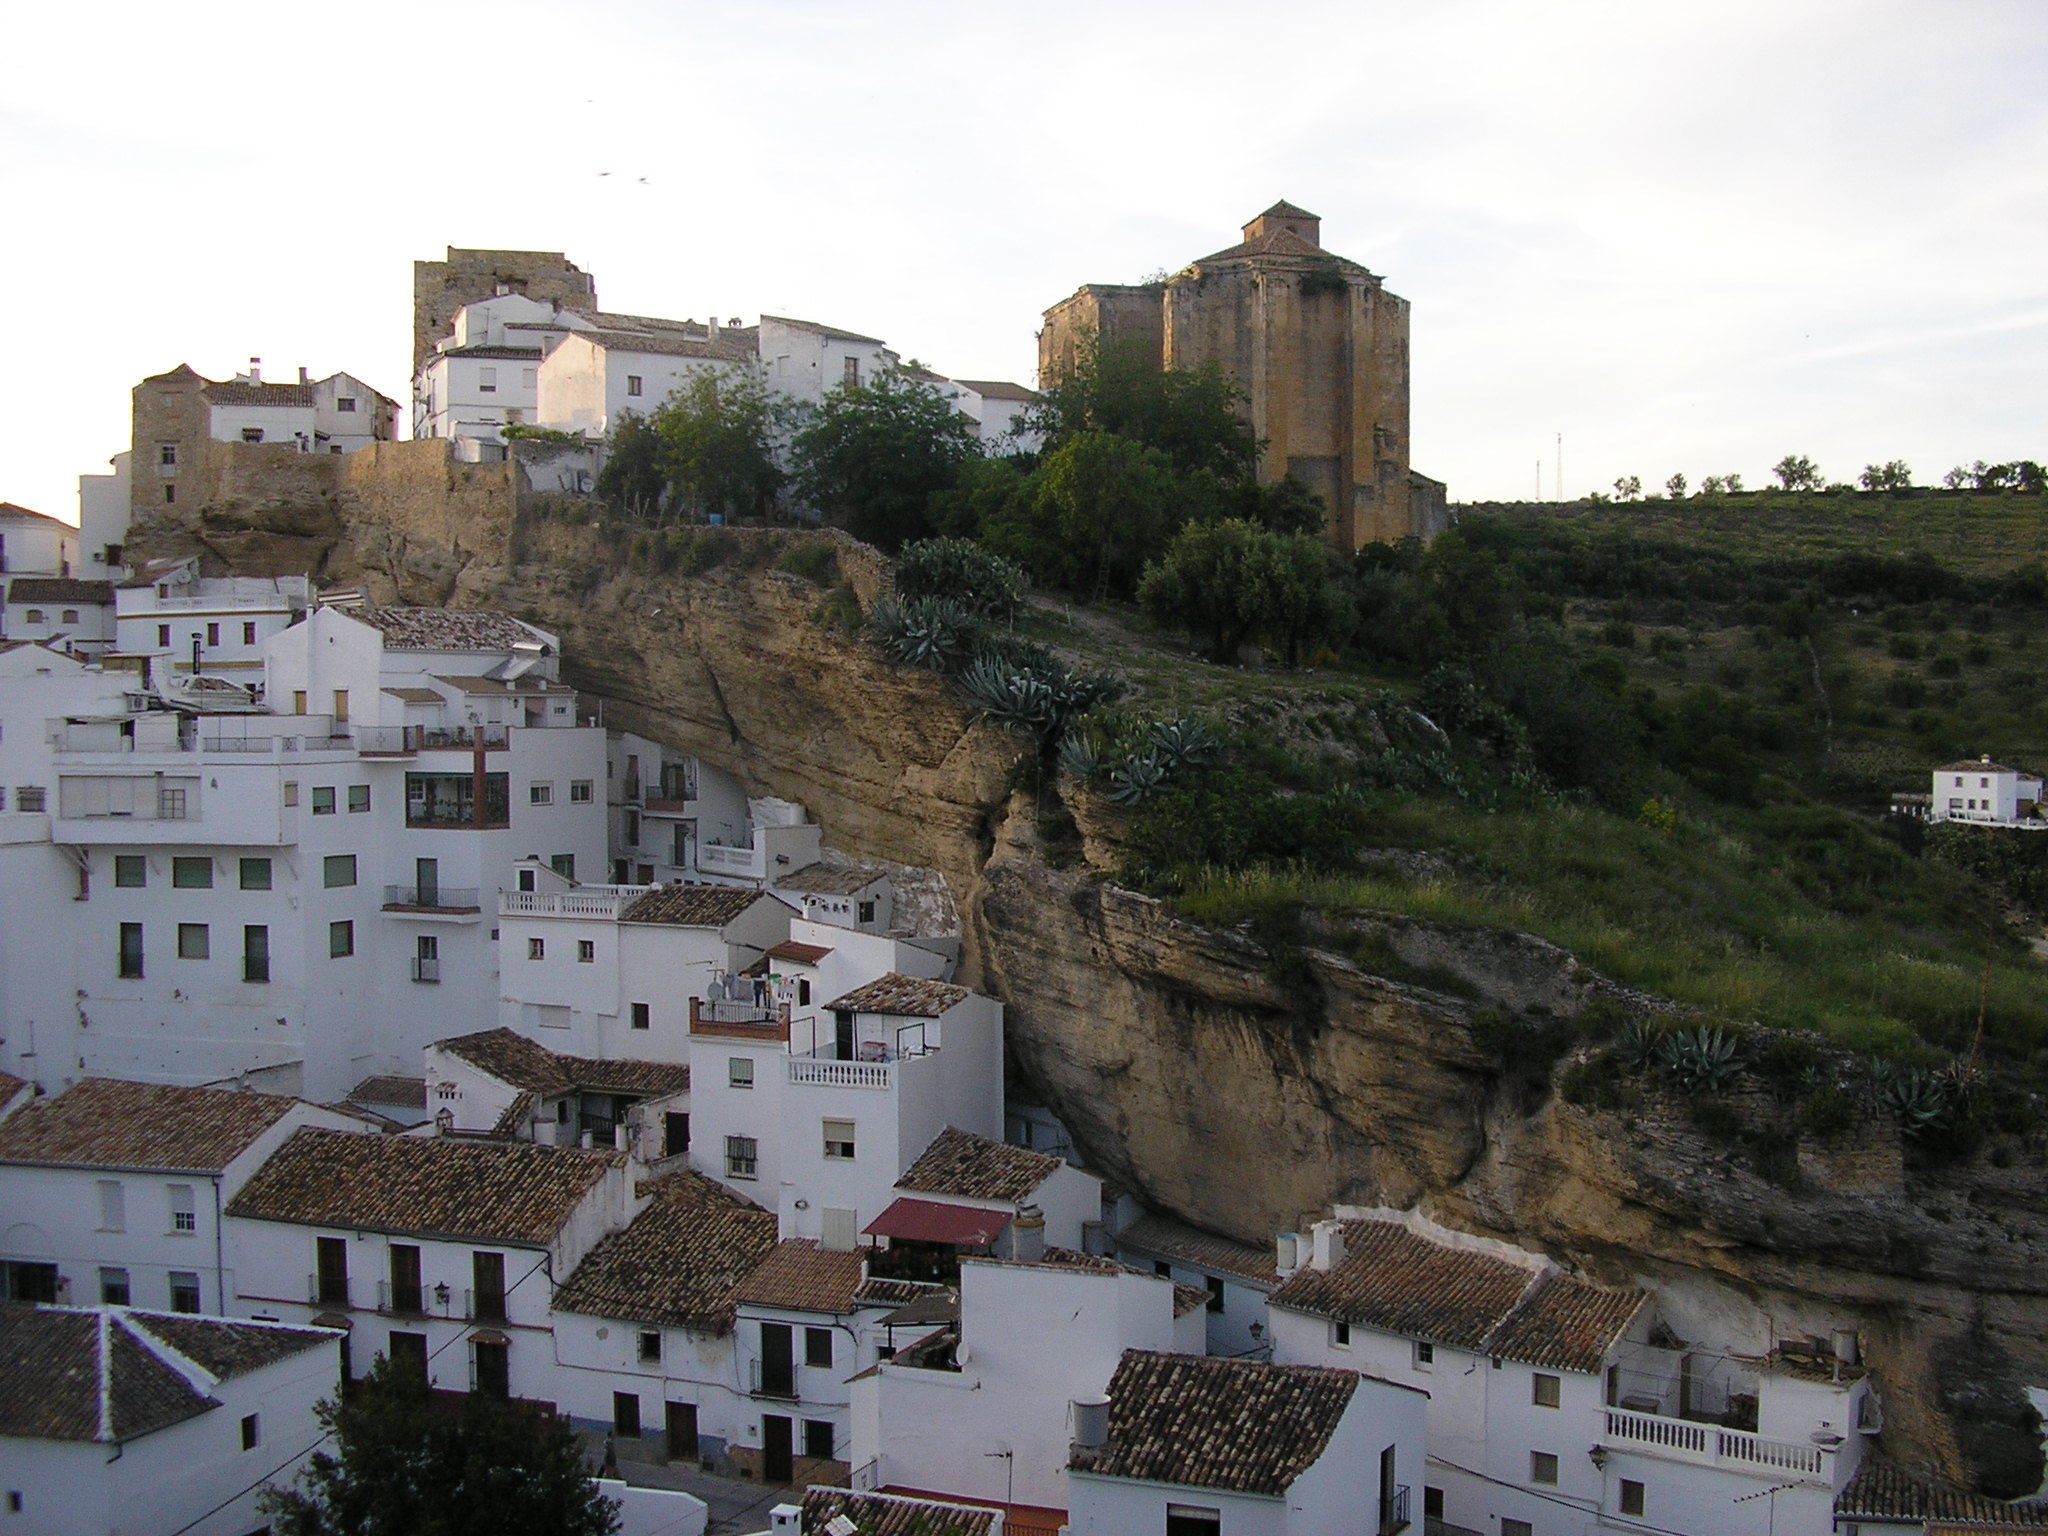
point(928, 632)
point(1183, 743)
point(1917, 1098)
point(1078, 755)
point(1700, 1060)
point(1011, 697)
point(1139, 778)
point(1636, 1045)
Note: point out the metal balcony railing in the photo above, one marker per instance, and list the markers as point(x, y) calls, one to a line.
point(484, 1306)
point(433, 898)
point(426, 969)
point(327, 1290)
point(762, 1382)
point(1394, 1511)
point(403, 1300)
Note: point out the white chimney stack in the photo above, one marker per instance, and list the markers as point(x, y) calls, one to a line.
point(1288, 1257)
point(1329, 1246)
point(255, 370)
point(303, 376)
point(1091, 1421)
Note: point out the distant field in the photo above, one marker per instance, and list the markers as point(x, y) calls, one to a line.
point(1977, 533)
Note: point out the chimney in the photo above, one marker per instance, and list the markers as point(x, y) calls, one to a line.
point(1027, 1235)
point(785, 1517)
point(1288, 1257)
point(1328, 1246)
point(303, 379)
point(255, 370)
point(1091, 1422)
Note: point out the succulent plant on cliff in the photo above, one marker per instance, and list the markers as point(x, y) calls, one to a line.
point(1703, 1059)
point(931, 632)
point(1183, 743)
point(1636, 1044)
point(1917, 1098)
point(1137, 779)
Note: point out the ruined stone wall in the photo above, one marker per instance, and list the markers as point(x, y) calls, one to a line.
point(440, 288)
point(1113, 315)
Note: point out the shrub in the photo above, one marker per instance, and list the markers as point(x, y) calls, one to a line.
point(963, 572)
point(1903, 647)
point(815, 560)
point(1828, 1111)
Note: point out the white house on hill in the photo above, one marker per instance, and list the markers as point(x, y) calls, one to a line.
point(1987, 794)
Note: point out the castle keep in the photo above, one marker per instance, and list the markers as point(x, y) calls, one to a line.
point(1317, 343)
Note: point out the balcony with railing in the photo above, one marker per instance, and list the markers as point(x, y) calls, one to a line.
point(824, 1070)
point(1393, 1510)
point(409, 740)
point(725, 859)
point(777, 1381)
point(586, 901)
point(327, 1290)
point(1710, 1445)
point(431, 898)
point(739, 1020)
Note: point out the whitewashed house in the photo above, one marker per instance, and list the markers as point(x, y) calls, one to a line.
point(337, 414)
point(119, 1422)
point(442, 1252)
point(35, 544)
point(663, 804)
point(997, 409)
point(104, 509)
point(1204, 1447)
point(500, 1083)
point(112, 1191)
point(854, 896)
point(1988, 794)
point(219, 626)
point(982, 1409)
point(592, 378)
point(65, 613)
point(1549, 1395)
point(1237, 1276)
point(805, 361)
point(964, 1177)
point(644, 1325)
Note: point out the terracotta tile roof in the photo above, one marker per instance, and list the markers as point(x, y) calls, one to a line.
point(999, 389)
point(671, 344)
point(802, 954)
point(976, 1168)
point(99, 1122)
point(1204, 1250)
point(799, 1276)
point(15, 512)
point(887, 1514)
point(10, 1085)
point(1240, 1426)
point(816, 329)
point(514, 1117)
point(447, 629)
point(1967, 766)
point(1566, 1324)
point(909, 997)
point(1280, 242)
point(83, 1375)
point(224, 1348)
point(823, 879)
point(1884, 1490)
point(416, 695)
point(1393, 1280)
point(878, 1292)
point(59, 589)
point(411, 1092)
point(679, 1259)
point(509, 354)
point(500, 1192)
point(499, 685)
point(512, 1058)
point(692, 906)
point(237, 392)
point(1286, 210)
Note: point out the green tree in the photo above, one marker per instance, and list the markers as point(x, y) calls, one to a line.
point(874, 457)
point(1629, 488)
point(1192, 416)
point(961, 571)
point(1286, 505)
point(1675, 487)
point(1796, 472)
point(401, 1466)
point(718, 433)
point(1892, 476)
point(632, 479)
point(1230, 580)
point(1098, 507)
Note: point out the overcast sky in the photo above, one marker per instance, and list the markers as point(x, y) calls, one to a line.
point(1686, 237)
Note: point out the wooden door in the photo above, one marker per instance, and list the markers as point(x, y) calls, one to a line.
point(682, 1431)
point(777, 1443)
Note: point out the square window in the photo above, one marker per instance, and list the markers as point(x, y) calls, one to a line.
point(192, 941)
point(586, 951)
point(291, 786)
point(579, 791)
point(131, 870)
point(839, 1141)
point(323, 799)
point(487, 381)
point(251, 1431)
point(358, 797)
point(30, 797)
point(640, 1018)
point(184, 1214)
point(252, 434)
point(818, 1347)
point(1631, 1497)
point(114, 1290)
point(192, 874)
point(341, 940)
point(338, 869)
point(739, 1072)
point(867, 912)
point(1543, 1468)
point(536, 949)
point(167, 455)
point(345, 403)
point(818, 1439)
point(563, 864)
point(255, 874)
point(184, 1291)
point(540, 794)
point(650, 1346)
point(1545, 1391)
point(1425, 1355)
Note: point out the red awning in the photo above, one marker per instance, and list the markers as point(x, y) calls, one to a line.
point(930, 1221)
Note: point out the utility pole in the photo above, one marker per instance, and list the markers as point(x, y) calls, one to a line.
point(1560, 469)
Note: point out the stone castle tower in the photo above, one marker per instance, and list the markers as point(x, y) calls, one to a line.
point(1316, 342)
point(440, 288)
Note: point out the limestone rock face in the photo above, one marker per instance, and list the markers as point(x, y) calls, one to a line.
point(1237, 1088)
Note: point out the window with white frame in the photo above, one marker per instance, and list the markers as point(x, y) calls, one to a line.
point(741, 1156)
point(184, 1214)
point(540, 794)
point(839, 1141)
point(113, 1206)
point(739, 1072)
point(579, 791)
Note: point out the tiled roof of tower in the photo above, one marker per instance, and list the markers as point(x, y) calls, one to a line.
point(225, 1348)
point(99, 1122)
point(692, 906)
point(1280, 242)
point(679, 1260)
point(799, 1276)
point(1286, 210)
point(439, 1186)
point(962, 1163)
point(1566, 1324)
point(1883, 1490)
point(909, 997)
point(1238, 1426)
point(831, 879)
point(886, 1514)
point(447, 629)
point(59, 589)
point(1204, 1250)
point(1393, 1280)
point(241, 392)
point(514, 1059)
point(83, 1375)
